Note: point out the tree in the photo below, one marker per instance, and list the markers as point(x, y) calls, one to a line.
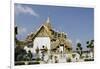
point(16, 30)
point(30, 55)
point(69, 49)
point(37, 50)
point(79, 49)
point(90, 45)
point(19, 53)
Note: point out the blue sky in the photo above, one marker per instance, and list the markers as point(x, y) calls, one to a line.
point(77, 22)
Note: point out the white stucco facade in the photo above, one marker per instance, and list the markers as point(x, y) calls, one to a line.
point(41, 41)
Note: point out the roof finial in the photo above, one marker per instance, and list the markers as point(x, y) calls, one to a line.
point(47, 23)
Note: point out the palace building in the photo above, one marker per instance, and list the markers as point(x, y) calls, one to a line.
point(49, 38)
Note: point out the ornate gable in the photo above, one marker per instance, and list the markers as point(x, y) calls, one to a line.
point(42, 32)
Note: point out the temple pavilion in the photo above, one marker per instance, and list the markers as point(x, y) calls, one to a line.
point(47, 37)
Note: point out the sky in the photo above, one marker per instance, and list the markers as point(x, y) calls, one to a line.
point(76, 22)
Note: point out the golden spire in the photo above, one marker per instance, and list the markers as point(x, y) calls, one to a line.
point(48, 20)
point(47, 23)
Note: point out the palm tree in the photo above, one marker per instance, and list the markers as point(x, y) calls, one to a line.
point(79, 49)
point(90, 45)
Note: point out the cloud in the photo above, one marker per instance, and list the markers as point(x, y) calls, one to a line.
point(25, 10)
point(22, 30)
